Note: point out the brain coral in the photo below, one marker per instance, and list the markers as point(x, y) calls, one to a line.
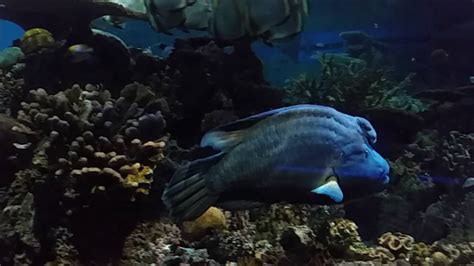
point(397, 243)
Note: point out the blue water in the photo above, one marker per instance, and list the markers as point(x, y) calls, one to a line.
point(9, 31)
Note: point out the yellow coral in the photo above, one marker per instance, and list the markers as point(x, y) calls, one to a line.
point(138, 178)
point(212, 219)
point(36, 39)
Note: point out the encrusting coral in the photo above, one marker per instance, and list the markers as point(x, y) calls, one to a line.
point(150, 242)
point(212, 219)
point(421, 253)
point(106, 145)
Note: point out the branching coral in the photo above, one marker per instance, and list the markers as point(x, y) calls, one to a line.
point(347, 84)
point(105, 145)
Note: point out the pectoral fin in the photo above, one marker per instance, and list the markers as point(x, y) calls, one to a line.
point(330, 189)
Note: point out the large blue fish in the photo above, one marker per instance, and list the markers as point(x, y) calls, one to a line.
point(297, 154)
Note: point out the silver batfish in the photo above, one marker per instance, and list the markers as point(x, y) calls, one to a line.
point(298, 154)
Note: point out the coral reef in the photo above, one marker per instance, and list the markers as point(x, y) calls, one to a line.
point(96, 158)
point(17, 217)
point(455, 155)
point(151, 242)
point(200, 77)
point(397, 243)
point(11, 90)
point(347, 84)
point(421, 253)
point(104, 144)
point(212, 219)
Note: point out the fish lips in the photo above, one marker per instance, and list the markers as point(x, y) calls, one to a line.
point(358, 186)
point(357, 190)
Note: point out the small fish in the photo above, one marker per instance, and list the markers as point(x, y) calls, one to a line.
point(80, 53)
point(298, 154)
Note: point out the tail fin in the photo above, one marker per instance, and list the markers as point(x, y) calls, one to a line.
point(187, 195)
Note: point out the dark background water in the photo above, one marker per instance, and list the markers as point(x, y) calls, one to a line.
point(412, 28)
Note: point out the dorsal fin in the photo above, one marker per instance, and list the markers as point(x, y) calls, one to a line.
point(254, 119)
point(226, 137)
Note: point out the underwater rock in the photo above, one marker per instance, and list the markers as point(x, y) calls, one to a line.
point(188, 256)
point(58, 16)
point(202, 78)
point(93, 56)
point(150, 242)
point(298, 243)
point(64, 250)
point(17, 221)
point(362, 46)
point(217, 118)
point(11, 90)
point(455, 253)
point(17, 150)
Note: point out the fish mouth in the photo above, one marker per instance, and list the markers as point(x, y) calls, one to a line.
point(386, 179)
